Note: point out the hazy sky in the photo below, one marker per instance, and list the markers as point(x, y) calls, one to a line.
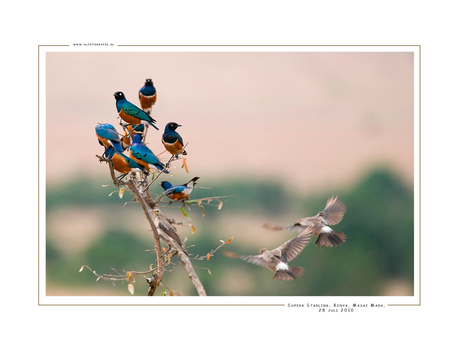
point(311, 119)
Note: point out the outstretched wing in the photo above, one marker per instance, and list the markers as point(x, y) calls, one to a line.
point(290, 249)
point(334, 211)
point(295, 228)
point(253, 259)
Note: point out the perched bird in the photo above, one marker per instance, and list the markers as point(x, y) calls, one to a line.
point(331, 215)
point(166, 230)
point(107, 136)
point(179, 192)
point(172, 140)
point(130, 131)
point(131, 113)
point(147, 96)
point(144, 156)
point(123, 164)
point(277, 259)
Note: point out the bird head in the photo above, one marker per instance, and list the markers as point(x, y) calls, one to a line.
point(137, 139)
point(119, 95)
point(172, 126)
point(165, 184)
point(148, 82)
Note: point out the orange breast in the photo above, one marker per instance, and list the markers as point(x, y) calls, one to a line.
point(128, 118)
point(173, 148)
point(147, 102)
point(178, 196)
point(104, 141)
point(144, 165)
point(120, 164)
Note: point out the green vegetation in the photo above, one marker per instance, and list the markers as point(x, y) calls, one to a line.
point(379, 224)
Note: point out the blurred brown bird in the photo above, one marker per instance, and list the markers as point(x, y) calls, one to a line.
point(277, 259)
point(166, 230)
point(331, 215)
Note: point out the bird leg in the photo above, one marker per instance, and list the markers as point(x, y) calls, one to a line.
point(119, 178)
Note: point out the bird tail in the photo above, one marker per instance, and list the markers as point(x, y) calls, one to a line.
point(193, 180)
point(291, 274)
point(162, 168)
point(151, 124)
point(109, 151)
point(117, 146)
point(330, 239)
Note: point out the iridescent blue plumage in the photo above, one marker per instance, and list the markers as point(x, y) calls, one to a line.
point(131, 113)
point(179, 192)
point(142, 153)
point(108, 136)
point(111, 153)
point(148, 89)
point(172, 140)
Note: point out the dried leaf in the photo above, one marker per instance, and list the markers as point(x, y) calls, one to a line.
point(220, 205)
point(164, 249)
point(128, 275)
point(202, 208)
point(229, 240)
point(208, 256)
point(184, 212)
point(192, 228)
point(131, 289)
point(121, 191)
point(81, 268)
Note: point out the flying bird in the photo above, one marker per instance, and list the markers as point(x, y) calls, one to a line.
point(131, 113)
point(172, 140)
point(179, 192)
point(107, 136)
point(123, 164)
point(147, 96)
point(331, 215)
point(278, 258)
point(166, 230)
point(144, 156)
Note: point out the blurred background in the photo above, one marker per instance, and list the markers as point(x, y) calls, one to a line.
point(281, 132)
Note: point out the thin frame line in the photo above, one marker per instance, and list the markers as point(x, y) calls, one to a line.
point(147, 45)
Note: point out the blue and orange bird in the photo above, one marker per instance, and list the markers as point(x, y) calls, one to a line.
point(147, 96)
point(144, 156)
point(107, 136)
point(130, 131)
point(179, 192)
point(131, 113)
point(172, 140)
point(123, 164)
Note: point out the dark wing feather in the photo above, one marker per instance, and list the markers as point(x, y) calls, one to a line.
point(169, 229)
point(296, 227)
point(254, 259)
point(293, 247)
point(334, 211)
